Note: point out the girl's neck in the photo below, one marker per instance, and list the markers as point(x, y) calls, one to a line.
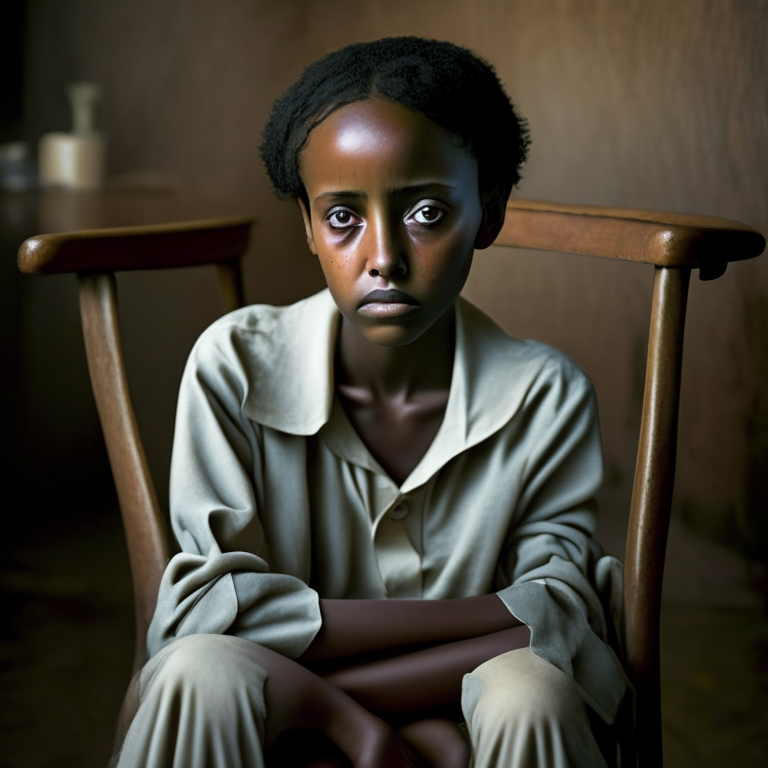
point(386, 373)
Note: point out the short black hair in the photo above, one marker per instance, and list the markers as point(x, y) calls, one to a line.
point(449, 84)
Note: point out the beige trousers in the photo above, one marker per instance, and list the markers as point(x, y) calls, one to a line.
point(202, 706)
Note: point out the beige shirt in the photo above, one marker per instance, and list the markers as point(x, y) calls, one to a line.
point(276, 501)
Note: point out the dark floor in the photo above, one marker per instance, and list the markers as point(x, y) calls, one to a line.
point(66, 646)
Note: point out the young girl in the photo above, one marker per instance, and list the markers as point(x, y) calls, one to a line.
point(384, 504)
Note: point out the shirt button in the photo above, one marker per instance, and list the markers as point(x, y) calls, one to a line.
point(399, 511)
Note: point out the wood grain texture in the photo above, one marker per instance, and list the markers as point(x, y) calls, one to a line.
point(144, 528)
point(145, 532)
point(651, 507)
point(158, 246)
point(664, 239)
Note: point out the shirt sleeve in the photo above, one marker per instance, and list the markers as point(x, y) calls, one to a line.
point(221, 580)
point(553, 575)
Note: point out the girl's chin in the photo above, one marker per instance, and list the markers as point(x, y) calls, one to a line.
point(391, 336)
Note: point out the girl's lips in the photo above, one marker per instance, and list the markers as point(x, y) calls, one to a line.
point(386, 309)
point(390, 303)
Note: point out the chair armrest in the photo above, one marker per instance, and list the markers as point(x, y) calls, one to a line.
point(158, 246)
point(649, 237)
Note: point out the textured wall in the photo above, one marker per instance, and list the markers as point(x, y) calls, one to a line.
point(643, 103)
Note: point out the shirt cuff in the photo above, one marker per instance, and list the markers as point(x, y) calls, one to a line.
point(285, 618)
point(561, 635)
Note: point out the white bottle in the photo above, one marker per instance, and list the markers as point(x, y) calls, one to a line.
point(75, 160)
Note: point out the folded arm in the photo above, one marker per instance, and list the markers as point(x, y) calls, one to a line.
point(354, 627)
point(414, 684)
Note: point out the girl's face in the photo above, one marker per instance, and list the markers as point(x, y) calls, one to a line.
point(394, 216)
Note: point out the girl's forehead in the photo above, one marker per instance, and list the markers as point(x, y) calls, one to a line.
point(360, 123)
point(376, 135)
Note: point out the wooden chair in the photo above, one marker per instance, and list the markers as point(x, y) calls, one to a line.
point(673, 243)
point(95, 255)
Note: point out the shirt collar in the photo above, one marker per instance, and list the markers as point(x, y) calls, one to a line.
point(291, 364)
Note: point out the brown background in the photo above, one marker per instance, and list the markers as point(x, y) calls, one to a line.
point(648, 103)
point(643, 104)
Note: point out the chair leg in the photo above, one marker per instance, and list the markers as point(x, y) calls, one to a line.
point(651, 504)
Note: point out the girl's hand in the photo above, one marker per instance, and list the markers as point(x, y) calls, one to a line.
point(384, 749)
point(429, 743)
point(439, 742)
point(297, 698)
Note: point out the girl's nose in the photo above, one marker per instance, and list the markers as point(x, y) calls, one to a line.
point(386, 257)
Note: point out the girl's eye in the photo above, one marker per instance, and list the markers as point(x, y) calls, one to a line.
point(342, 219)
point(428, 214)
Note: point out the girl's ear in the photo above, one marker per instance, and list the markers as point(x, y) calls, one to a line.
point(307, 225)
point(494, 205)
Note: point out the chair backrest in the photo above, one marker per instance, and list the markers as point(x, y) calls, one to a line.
point(674, 244)
point(95, 255)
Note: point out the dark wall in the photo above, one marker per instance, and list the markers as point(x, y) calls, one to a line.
point(12, 68)
point(642, 103)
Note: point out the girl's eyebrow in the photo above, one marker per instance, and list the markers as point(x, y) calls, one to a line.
point(409, 188)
